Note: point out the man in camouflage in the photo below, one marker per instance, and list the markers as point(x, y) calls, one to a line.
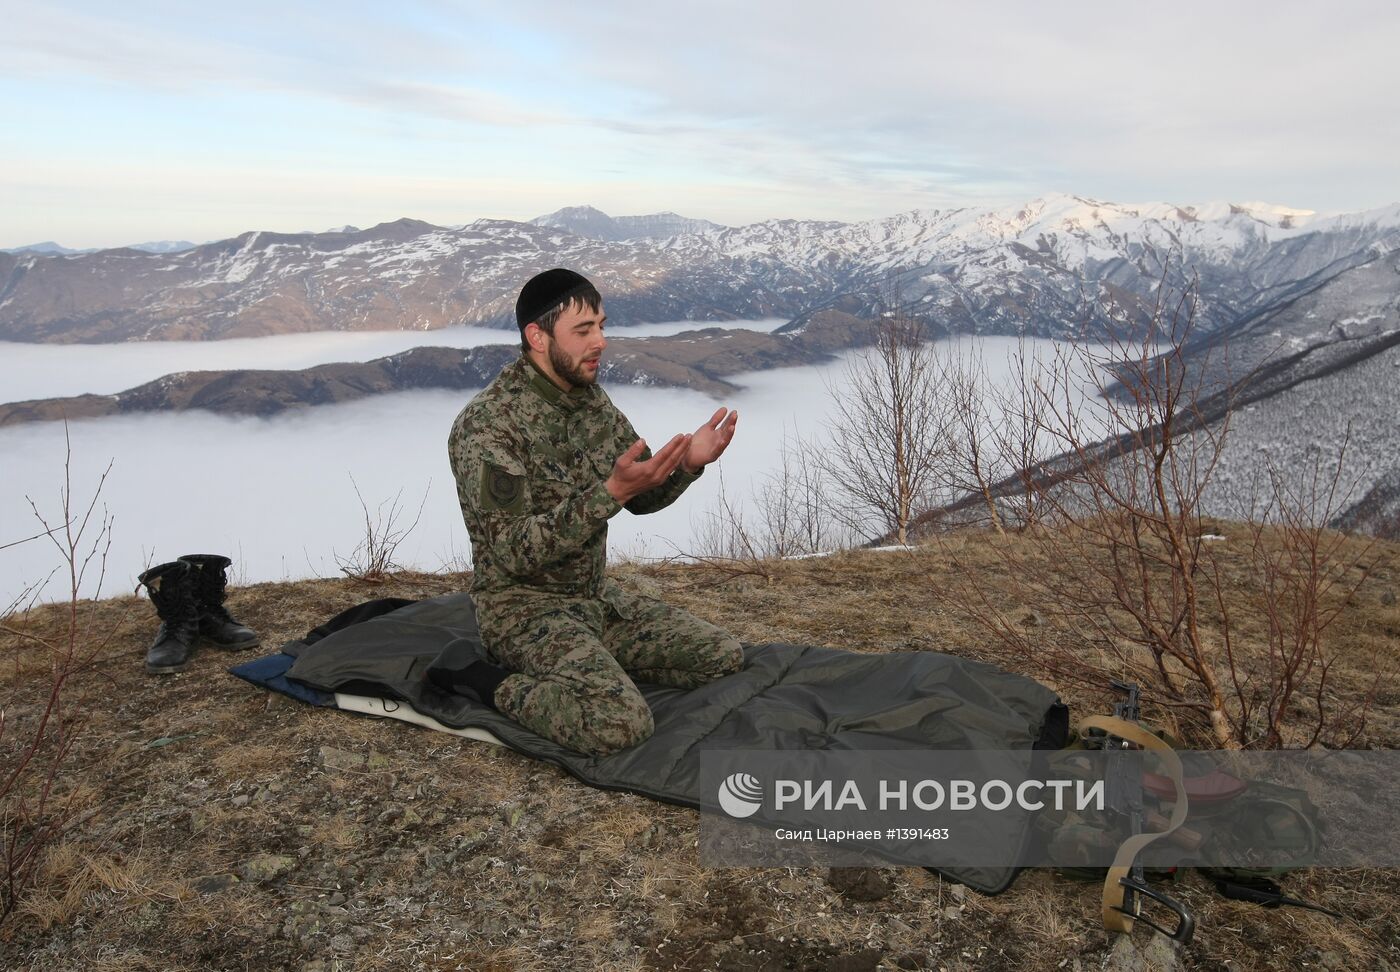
point(542, 460)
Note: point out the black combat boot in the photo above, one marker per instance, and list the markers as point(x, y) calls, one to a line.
point(216, 625)
point(171, 591)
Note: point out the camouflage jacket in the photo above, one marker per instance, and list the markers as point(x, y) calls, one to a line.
point(530, 462)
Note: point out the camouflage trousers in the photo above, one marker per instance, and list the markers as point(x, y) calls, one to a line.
point(572, 663)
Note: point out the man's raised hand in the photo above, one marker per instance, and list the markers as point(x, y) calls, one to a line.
point(710, 440)
point(631, 476)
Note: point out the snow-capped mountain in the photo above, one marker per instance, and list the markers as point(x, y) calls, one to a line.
point(1045, 268)
point(598, 225)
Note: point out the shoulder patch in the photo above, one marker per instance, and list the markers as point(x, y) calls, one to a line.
point(501, 490)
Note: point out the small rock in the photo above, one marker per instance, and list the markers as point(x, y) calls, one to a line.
point(1155, 954)
point(860, 883)
point(241, 800)
point(474, 832)
point(164, 741)
point(276, 701)
point(378, 761)
point(340, 759)
point(150, 915)
point(267, 867)
point(213, 883)
point(308, 931)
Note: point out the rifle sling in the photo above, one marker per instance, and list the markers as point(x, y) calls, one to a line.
point(1114, 893)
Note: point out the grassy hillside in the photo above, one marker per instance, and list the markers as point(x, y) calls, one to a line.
point(221, 827)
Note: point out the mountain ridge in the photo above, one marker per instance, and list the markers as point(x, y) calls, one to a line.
point(700, 360)
point(1043, 268)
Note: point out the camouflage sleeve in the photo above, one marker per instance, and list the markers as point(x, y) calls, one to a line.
point(658, 497)
point(494, 489)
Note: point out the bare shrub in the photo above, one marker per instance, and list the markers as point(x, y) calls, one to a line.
point(886, 437)
point(1113, 558)
point(35, 808)
point(1019, 444)
point(1303, 578)
point(372, 560)
point(795, 505)
point(791, 515)
point(725, 540)
point(968, 463)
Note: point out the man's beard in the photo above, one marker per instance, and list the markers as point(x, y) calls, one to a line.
point(574, 374)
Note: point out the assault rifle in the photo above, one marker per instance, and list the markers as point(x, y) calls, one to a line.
point(1127, 887)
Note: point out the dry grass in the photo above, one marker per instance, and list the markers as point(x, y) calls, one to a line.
point(441, 853)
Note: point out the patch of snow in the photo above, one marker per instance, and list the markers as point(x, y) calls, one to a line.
point(831, 553)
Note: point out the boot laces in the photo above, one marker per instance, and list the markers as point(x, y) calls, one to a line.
point(173, 597)
point(211, 586)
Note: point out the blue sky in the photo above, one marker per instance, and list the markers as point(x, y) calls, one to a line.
point(151, 120)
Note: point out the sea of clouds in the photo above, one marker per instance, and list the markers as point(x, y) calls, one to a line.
point(279, 494)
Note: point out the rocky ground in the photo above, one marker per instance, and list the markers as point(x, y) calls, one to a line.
point(216, 826)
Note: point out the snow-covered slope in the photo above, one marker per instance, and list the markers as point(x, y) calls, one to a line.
point(1046, 267)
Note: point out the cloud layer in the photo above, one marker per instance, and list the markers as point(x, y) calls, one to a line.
point(166, 120)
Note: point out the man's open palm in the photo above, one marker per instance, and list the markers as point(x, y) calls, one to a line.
point(710, 440)
point(632, 475)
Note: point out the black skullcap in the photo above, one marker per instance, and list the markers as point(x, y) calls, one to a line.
point(545, 291)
